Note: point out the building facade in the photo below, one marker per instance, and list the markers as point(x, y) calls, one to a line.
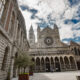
point(50, 54)
point(13, 38)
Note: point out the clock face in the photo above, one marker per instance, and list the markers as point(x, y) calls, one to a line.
point(48, 41)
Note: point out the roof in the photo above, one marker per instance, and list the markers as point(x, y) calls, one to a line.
point(72, 43)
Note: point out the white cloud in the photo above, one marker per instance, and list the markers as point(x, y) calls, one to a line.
point(60, 10)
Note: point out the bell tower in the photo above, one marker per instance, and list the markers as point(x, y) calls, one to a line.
point(56, 30)
point(38, 32)
point(31, 37)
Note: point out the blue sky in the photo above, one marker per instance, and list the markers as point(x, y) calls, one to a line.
point(65, 13)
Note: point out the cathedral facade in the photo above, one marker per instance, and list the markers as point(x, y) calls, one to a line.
point(50, 54)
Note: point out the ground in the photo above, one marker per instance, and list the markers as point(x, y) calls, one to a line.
point(55, 76)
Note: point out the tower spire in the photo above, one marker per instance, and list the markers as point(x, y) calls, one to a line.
point(31, 36)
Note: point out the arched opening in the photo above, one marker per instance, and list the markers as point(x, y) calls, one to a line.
point(47, 62)
point(67, 66)
point(57, 65)
point(5, 57)
point(79, 52)
point(42, 64)
point(33, 66)
point(14, 67)
point(75, 50)
point(78, 65)
point(52, 64)
point(38, 64)
point(72, 62)
point(11, 30)
point(62, 63)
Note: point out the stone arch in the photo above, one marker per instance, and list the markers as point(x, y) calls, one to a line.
point(79, 52)
point(42, 64)
point(72, 62)
point(62, 63)
point(57, 64)
point(75, 50)
point(66, 60)
point(52, 64)
point(47, 62)
point(5, 57)
point(38, 64)
point(14, 66)
point(11, 30)
point(33, 59)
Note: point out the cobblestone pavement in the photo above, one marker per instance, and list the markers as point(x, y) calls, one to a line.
point(54, 76)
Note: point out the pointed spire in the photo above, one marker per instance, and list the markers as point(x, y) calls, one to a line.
point(38, 28)
point(55, 26)
point(31, 28)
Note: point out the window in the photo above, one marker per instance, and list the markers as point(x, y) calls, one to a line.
point(2, 3)
point(5, 59)
point(12, 25)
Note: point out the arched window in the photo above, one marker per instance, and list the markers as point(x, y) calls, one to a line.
point(42, 64)
point(79, 52)
point(42, 61)
point(47, 62)
point(2, 3)
point(57, 64)
point(33, 59)
point(75, 50)
point(66, 62)
point(62, 62)
point(38, 63)
point(4, 62)
point(11, 30)
point(14, 67)
point(72, 62)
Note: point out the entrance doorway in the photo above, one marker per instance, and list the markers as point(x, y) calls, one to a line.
point(47, 67)
point(78, 65)
point(47, 61)
point(57, 65)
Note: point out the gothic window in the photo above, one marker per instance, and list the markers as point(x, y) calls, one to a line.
point(38, 63)
point(12, 25)
point(75, 50)
point(79, 52)
point(72, 62)
point(62, 62)
point(18, 31)
point(66, 60)
point(2, 3)
point(4, 62)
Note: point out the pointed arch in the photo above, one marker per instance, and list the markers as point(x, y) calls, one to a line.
point(72, 62)
point(5, 57)
point(62, 63)
point(38, 64)
point(47, 62)
point(57, 64)
point(42, 64)
point(66, 60)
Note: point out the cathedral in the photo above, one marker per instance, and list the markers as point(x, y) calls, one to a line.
point(50, 54)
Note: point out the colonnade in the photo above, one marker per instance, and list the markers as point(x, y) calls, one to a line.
point(54, 64)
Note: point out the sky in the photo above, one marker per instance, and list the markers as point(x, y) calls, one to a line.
point(64, 13)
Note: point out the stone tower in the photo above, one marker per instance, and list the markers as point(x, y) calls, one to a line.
point(38, 32)
point(31, 37)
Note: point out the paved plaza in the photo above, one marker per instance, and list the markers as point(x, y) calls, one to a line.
point(55, 76)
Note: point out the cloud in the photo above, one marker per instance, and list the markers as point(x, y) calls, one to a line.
point(65, 13)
